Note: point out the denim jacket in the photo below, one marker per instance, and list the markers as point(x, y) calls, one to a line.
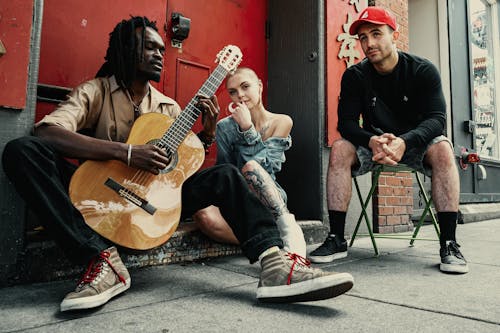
point(237, 148)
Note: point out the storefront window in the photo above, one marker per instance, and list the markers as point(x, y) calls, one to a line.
point(483, 33)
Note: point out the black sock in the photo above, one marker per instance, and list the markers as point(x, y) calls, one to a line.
point(447, 226)
point(337, 222)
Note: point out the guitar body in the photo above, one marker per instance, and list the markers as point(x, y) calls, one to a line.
point(119, 219)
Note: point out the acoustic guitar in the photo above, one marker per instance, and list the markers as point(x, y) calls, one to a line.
point(135, 208)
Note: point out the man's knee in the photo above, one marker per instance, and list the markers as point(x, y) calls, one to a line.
point(18, 145)
point(441, 155)
point(15, 150)
point(343, 153)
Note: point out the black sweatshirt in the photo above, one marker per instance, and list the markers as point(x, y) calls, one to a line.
point(416, 109)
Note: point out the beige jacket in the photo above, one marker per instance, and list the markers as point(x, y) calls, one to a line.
point(103, 109)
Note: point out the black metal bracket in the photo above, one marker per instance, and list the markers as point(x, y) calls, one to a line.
point(51, 94)
point(469, 126)
point(181, 26)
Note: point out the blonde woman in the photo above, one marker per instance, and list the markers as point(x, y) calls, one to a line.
point(254, 140)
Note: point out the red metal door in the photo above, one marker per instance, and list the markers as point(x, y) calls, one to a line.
point(75, 36)
point(214, 24)
point(342, 51)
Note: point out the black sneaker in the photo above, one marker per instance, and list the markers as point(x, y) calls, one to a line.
point(452, 260)
point(332, 248)
point(288, 277)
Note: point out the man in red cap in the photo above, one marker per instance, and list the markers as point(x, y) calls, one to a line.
point(400, 99)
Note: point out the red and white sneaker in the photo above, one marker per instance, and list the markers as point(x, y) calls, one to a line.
point(106, 276)
point(288, 277)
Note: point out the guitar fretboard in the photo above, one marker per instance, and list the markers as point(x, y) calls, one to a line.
point(185, 121)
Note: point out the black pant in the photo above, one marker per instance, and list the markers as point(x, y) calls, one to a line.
point(41, 176)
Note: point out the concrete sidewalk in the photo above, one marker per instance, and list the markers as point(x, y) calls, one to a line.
point(402, 290)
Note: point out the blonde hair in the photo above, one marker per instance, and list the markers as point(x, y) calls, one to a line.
point(242, 70)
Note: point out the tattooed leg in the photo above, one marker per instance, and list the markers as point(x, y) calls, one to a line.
point(264, 186)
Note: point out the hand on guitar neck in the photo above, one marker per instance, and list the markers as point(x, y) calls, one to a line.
point(210, 113)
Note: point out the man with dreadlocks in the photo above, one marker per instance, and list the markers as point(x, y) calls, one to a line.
point(106, 107)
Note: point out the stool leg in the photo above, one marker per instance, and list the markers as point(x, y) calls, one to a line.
point(363, 211)
point(360, 215)
point(427, 210)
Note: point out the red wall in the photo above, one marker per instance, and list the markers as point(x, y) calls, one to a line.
point(15, 32)
point(342, 49)
point(75, 38)
point(214, 24)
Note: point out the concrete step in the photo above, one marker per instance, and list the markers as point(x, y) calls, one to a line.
point(43, 260)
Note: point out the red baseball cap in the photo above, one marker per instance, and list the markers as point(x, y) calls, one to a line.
point(375, 15)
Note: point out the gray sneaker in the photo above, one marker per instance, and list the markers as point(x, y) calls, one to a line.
point(288, 277)
point(106, 277)
point(452, 260)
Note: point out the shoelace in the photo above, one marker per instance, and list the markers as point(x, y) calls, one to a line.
point(95, 267)
point(296, 259)
point(453, 249)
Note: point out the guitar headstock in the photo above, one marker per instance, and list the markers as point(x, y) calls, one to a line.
point(229, 57)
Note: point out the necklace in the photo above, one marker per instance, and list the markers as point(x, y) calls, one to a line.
point(137, 108)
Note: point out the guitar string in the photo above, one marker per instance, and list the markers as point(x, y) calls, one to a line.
point(177, 132)
point(174, 131)
point(141, 176)
point(181, 130)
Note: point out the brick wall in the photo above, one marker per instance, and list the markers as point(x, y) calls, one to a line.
point(400, 9)
point(393, 198)
point(393, 203)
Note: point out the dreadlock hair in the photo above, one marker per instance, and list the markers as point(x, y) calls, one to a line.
point(121, 57)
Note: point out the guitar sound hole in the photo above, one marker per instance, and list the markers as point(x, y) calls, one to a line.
point(173, 161)
point(174, 157)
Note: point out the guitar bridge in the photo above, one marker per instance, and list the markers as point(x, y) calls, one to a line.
point(129, 195)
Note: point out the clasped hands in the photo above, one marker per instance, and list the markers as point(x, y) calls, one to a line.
point(387, 148)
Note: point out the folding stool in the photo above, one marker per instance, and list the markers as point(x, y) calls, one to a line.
point(364, 203)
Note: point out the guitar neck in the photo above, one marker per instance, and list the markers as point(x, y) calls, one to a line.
point(185, 121)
